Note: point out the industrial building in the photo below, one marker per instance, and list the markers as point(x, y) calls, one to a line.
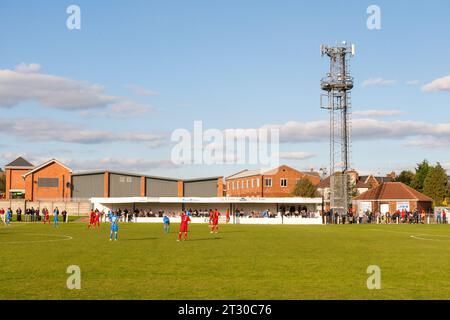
point(53, 180)
point(112, 184)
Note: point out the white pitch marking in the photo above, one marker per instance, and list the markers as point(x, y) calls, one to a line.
point(419, 234)
point(39, 241)
point(419, 238)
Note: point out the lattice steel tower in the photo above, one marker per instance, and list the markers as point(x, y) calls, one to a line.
point(338, 84)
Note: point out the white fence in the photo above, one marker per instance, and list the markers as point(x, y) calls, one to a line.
point(267, 221)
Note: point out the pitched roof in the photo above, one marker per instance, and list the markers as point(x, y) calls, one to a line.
point(393, 191)
point(362, 184)
point(384, 179)
point(325, 183)
point(39, 167)
point(245, 173)
point(20, 162)
point(257, 172)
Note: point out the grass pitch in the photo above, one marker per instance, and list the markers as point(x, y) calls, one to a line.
point(241, 262)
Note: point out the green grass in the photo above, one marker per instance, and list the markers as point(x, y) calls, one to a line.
point(241, 262)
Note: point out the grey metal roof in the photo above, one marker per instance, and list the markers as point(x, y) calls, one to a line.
point(20, 162)
point(201, 179)
point(84, 173)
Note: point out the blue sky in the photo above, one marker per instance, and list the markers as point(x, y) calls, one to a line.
point(161, 65)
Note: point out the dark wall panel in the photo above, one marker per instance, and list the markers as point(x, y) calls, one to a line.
point(204, 188)
point(124, 186)
point(88, 186)
point(161, 188)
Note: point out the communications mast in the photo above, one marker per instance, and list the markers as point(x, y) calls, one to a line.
point(337, 84)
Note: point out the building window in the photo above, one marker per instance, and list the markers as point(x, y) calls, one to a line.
point(242, 184)
point(48, 182)
point(268, 182)
point(232, 185)
point(247, 184)
point(253, 183)
point(257, 183)
point(237, 185)
point(283, 182)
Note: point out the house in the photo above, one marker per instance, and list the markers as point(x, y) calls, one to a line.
point(15, 184)
point(359, 184)
point(48, 181)
point(390, 197)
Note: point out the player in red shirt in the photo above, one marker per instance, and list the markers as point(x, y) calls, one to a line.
point(211, 216)
point(46, 216)
point(184, 225)
point(228, 215)
point(91, 219)
point(97, 219)
point(215, 221)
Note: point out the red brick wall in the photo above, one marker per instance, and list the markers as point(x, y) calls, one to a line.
point(244, 192)
point(180, 188)
point(106, 185)
point(14, 180)
point(142, 186)
point(262, 191)
point(220, 187)
point(32, 190)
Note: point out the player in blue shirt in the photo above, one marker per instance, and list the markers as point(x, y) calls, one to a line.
point(8, 216)
point(114, 226)
point(55, 217)
point(166, 221)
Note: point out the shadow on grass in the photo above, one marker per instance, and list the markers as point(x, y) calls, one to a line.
point(204, 239)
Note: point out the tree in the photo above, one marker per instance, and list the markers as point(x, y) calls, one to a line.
point(421, 173)
point(304, 188)
point(406, 176)
point(436, 184)
point(2, 184)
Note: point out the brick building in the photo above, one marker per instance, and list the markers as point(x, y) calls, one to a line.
point(48, 181)
point(390, 197)
point(15, 184)
point(360, 184)
point(279, 182)
point(53, 180)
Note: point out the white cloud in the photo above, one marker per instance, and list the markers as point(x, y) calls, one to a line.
point(50, 91)
point(429, 142)
point(377, 113)
point(296, 155)
point(26, 83)
point(121, 109)
point(378, 82)
point(28, 68)
point(31, 129)
point(137, 165)
point(441, 84)
point(362, 130)
point(141, 91)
